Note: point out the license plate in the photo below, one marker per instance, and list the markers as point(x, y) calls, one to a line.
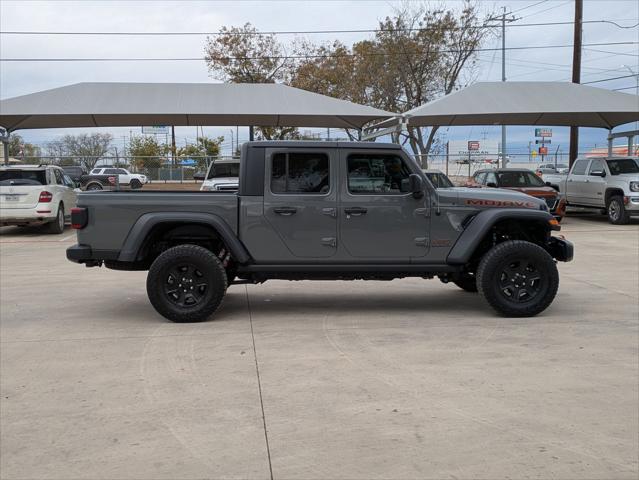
point(12, 198)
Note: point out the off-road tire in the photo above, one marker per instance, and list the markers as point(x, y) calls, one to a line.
point(528, 260)
point(616, 211)
point(92, 187)
point(57, 226)
point(135, 184)
point(162, 278)
point(467, 282)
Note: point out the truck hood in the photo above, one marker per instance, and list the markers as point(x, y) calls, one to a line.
point(488, 198)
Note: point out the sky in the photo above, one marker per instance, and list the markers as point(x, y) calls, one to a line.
point(18, 78)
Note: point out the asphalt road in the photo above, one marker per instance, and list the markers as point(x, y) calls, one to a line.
point(307, 380)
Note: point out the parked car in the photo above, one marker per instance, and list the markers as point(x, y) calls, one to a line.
point(75, 172)
point(324, 210)
point(36, 195)
point(126, 178)
point(609, 184)
point(521, 180)
point(552, 168)
point(222, 176)
point(438, 178)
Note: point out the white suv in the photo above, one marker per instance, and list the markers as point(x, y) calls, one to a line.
point(222, 176)
point(30, 195)
point(133, 180)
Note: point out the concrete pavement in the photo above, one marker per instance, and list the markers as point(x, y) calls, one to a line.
point(353, 380)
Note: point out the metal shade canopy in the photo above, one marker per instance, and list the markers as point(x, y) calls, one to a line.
point(181, 104)
point(528, 103)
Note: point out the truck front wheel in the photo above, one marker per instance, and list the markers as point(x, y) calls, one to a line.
point(186, 283)
point(518, 278)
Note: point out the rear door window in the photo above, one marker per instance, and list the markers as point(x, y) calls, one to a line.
point(22, 177)
point(306, 173)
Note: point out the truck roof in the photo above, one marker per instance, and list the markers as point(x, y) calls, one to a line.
point(320, 144)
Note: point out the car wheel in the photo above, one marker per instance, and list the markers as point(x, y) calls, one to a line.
point(518, 278)
point(186, 283)
point(57, 226)
point(616, 210)
point(135, 184)
point(94, 186)
point(466, 282)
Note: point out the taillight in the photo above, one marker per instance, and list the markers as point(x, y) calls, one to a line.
point(79, 218)
point(45, 197)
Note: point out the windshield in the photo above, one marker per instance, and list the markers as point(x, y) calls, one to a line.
point(622, 165)
point(224, 170)
point(439, 180)
point(519, 179)
point(23, 177)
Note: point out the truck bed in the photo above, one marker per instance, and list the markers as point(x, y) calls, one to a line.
point(120, 210)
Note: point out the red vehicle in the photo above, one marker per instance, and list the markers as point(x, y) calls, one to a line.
point(524, 181)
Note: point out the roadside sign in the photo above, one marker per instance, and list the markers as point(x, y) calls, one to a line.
point(473, 145)
point(543, 132)
point(542, 141)
point(534, 153)
point(543, 150)
point(156, 129)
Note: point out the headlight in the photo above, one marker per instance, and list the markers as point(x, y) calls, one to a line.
point(207, 188)
point(634, 186)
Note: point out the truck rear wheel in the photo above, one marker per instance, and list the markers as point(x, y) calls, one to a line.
point(518, 278)
point(186, 283)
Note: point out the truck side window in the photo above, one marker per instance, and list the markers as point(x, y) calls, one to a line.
point(596, 166)
point(300, 173)
point(372, 174)
point(580, 167)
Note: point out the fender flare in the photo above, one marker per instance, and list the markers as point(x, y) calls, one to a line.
point(481, 225)
point(146, 222)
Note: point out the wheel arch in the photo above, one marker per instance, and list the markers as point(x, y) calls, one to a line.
point(611, 192)
point(483, 225)
point(180, 224)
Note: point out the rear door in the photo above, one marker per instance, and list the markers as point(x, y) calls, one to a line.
point(576, 182)
point(20, 188)
point(379, 220)
point(300, 200)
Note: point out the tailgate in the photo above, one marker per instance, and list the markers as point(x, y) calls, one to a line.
point(23, 196)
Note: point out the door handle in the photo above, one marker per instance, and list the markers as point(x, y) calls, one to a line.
point(285, 211)
point(355, 211)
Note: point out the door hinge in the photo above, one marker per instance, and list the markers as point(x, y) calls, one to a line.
point(331, 212)
point(421, 241)
point(329, 241)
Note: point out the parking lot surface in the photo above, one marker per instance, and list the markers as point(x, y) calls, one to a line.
point(307, 380)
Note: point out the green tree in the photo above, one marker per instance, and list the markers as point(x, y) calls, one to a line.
point(205, 150)
point(25, 151)
point(146, 152)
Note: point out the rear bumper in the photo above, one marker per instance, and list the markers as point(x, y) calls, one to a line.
point(560, 249)
point(79, 253)
point(21, 216)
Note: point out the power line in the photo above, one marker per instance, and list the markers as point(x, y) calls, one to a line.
point(613, 53)
point(292, 57)
point(529, 6)
point(297, 32)
point(610, 79)
point(549, 8)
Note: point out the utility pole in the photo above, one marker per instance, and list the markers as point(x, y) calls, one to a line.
point(504, 162)
point(576, 76)
point(173, 150)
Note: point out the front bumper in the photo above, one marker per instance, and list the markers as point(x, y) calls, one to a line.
point(631, 204)
point(560, 249)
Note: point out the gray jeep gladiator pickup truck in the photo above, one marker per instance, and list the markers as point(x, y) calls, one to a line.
point(324, 210)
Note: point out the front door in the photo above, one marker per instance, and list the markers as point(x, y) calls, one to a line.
point(379, 219)
point(595, 185)
point(300, 200)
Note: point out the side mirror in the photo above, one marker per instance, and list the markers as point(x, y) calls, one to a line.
point(598, 173)
point(491, 185)
point(416, 185)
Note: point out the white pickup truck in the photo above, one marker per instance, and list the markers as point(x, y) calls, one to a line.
point(222, 176)
point(610, 184)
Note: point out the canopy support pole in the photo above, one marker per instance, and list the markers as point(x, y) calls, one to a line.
point(251, 133)
point(4, 137)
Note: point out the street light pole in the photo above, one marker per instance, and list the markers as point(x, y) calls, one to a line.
point(504, 162)
point(576, 77)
